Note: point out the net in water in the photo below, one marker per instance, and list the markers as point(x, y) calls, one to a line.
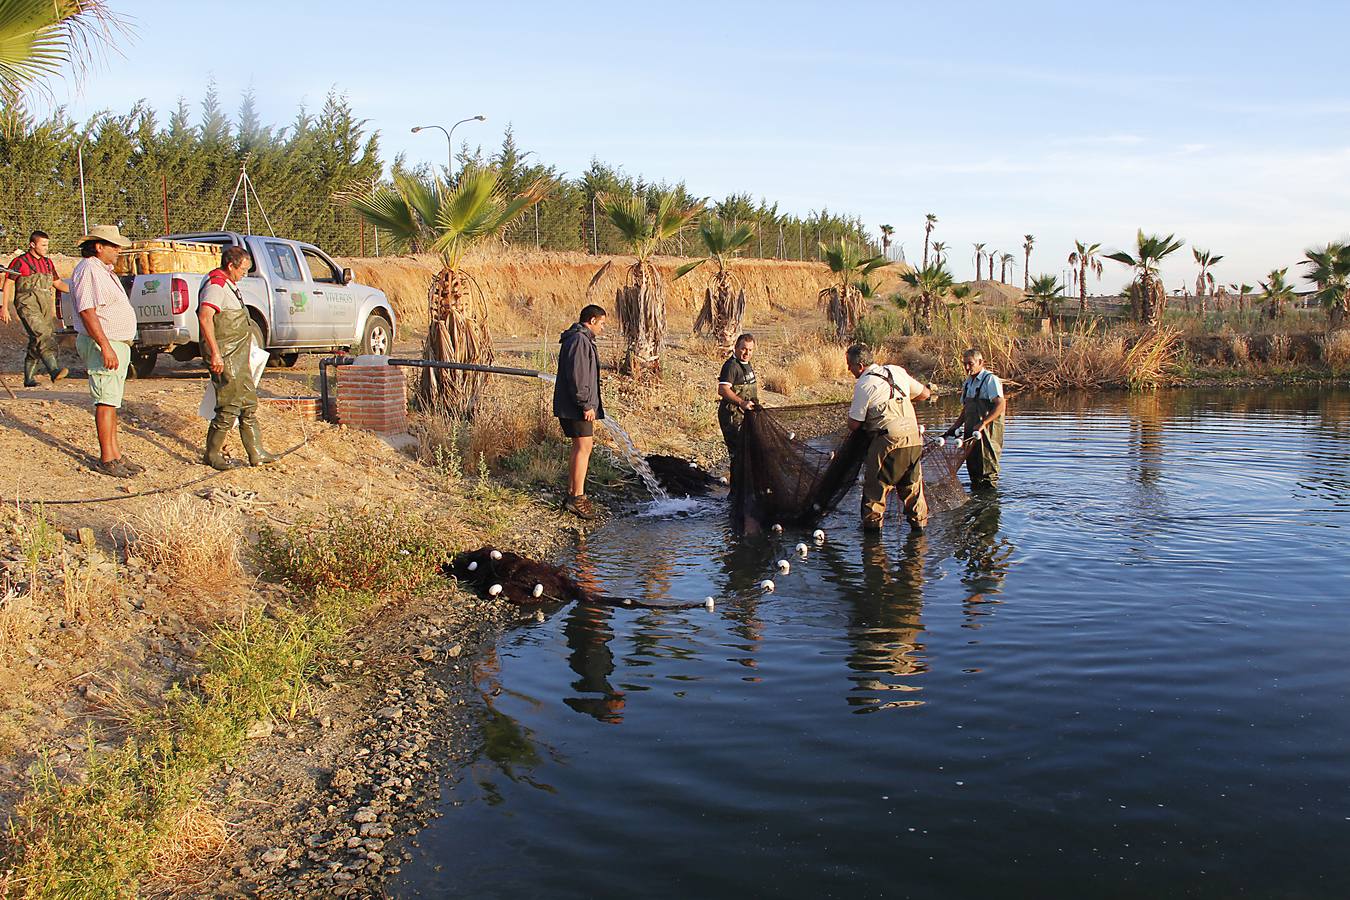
point(795, 463)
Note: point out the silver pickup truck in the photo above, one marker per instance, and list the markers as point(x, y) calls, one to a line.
point(298, 298)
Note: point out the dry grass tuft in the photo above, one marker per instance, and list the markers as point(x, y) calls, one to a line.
point(1279, 348)
point(505, 424)
point(780, 380)
point(1335, 347)
point(805, 370)
point(1148, 361)
point(1239, 349)
point(187, 845)
point(18, 615)
point(196, 541)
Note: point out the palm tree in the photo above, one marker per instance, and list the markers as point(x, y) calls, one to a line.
point(929, 221)
point(963, 295)
point(979, 258)
point(992, 254)
point(1276, 292)
point(844, 302)
point(724, 298)
point(1204, 259)
point(1329, 270)
point(887, 231)
point(1043, 292)
point(1242, 291)
point(1005, 260)
point(1150, 250)
point(939, 249)
point(1087, 258)
point(1026, 265)
point(640, 303)
point(38, 37)
point(933, 283)
point(419, 216)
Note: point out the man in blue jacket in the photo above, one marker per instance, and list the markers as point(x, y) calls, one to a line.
point(576, 401)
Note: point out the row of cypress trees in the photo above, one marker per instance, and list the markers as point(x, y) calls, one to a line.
point(149, 174)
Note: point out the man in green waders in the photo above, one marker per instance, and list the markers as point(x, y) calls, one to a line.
point(982, 408)
point(738, 389)
point(226, 338)
point(35, 286)
point(883, 406)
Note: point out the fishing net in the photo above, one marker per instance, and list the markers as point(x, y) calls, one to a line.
point(795, 463)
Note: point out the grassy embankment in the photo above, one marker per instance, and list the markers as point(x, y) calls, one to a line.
point(134, 808)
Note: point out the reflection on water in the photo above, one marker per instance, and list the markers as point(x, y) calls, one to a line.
point(1121, 675)
point(884, 625)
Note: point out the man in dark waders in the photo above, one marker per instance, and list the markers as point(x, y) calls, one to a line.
point(576, 401)
point(883, 406)
point(982, 409)
point(226, 338)
point(35, 286)
point(739, 392)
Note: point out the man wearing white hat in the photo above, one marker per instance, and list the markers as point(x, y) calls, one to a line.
point(106, 323)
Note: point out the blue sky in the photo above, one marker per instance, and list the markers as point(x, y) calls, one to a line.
point(1225, 123)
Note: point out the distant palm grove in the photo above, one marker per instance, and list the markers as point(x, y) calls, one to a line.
point(148, 174)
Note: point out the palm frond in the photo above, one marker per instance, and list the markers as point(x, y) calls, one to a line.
point(388, 211)
point(688, 267)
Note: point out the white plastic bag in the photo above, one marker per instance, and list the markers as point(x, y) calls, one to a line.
point(257, 364)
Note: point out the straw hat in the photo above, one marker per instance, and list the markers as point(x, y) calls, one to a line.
point(108, 234)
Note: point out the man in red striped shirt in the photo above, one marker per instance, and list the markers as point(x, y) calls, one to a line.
point(35, 286)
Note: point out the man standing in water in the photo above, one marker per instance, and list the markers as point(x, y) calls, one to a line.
point(35, 286)
point(883, 406)
point(739, 393)
point(982, 409)
point(227, 338)
point(576, 401)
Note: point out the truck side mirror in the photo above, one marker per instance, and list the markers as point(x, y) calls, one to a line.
point(347, 276)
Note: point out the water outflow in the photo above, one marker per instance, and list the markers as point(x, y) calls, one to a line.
point(635, 459)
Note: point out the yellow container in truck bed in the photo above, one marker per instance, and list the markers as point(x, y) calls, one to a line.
point(159, 257)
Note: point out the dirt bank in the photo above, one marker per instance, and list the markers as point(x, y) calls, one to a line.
point(530, 292)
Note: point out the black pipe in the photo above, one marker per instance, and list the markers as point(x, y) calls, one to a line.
point(326, 411)
point(467, 367)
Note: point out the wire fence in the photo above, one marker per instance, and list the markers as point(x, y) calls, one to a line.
point(143, 211)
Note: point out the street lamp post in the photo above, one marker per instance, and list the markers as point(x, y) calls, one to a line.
point(449, 140)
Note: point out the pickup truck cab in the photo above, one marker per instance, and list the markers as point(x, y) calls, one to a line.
point(300, 301)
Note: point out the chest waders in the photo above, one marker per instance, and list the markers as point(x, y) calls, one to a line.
point(236, 395)
point(982, 463)
point(729, 416)
point(35, 302)
point(893, 458)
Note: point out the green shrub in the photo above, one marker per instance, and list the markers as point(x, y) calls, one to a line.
point(382, 551)
point(877, 326)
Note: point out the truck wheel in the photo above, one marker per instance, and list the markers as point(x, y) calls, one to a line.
point(378, 338)
point(288, 360)
point(142, 363)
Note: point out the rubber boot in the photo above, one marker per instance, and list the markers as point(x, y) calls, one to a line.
point(216, 436)
point(29, 372)
point(251, 436)
point(54, 367)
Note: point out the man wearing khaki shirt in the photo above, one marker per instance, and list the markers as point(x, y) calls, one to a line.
point(883, 406)
point(106, 326)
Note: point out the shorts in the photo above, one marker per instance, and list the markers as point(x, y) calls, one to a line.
point(575, 428)
point(105, 385)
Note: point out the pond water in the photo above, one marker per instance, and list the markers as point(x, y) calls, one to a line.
point(1124, 676)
